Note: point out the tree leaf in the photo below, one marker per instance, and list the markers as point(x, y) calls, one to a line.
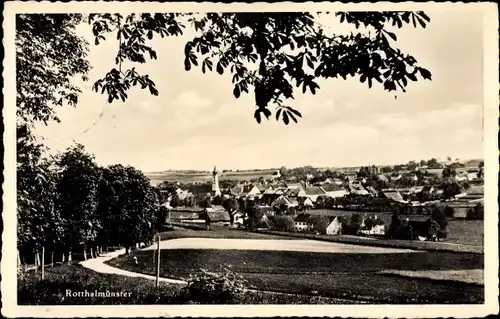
point(236, 90)
point(425, 73)
point(392, 35)
point(286, 119)
point(187, 64)
point(257, 115)
point(220, 69)
point(278, 112)
point(297, 113)
point(266, 112)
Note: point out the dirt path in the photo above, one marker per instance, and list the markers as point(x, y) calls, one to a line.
point(97, 264)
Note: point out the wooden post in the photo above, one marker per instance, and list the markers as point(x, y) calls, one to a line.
point(43, 262)
point(18, 259)
point(158, 263)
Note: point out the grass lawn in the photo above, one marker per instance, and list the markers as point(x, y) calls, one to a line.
point(218, 232)
point(338, 275)
point(467, 232)
point(52, 290)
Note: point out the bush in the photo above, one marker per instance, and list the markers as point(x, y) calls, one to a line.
point(223, 287)
point(354, 225)
point(282, 223)
point(476, 213)
point(439, 216)
point(396, 226)
point(449, 211)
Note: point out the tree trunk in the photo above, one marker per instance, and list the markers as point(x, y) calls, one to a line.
point(91, 252)
point(69, 257)
point(63, 257)
point(52, 259)
point(84, 252)
point(43, 263)
point(37, 260)
point(18, 259)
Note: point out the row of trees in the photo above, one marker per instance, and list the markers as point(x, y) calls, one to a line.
point(67, 203)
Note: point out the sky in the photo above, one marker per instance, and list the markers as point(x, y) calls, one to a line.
point(196, 123)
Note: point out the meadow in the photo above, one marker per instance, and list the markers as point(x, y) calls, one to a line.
point(52, 290)
point(356, 276)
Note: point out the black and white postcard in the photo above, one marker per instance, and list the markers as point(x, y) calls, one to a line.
point(266, 159)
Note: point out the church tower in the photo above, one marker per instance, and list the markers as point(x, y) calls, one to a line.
point(215, 183)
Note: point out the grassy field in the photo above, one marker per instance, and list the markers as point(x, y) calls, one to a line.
point(181, 177)
point(467, 232)
point(337, 275)
point(52, 290)
point(217, 232)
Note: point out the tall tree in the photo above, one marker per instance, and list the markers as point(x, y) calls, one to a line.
point(49, 54)
point(130, 205)
point(39, 223)
point(77, 200)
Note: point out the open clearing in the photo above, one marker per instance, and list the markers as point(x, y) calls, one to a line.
point(273, 245)
point(314, 267)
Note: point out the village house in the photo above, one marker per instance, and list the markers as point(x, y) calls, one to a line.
point(393, 195)
point(335, 226)
point(301, 223)
point(182, 194)
point(383, 178)
point(338, 181)
point(217, 215)
point(373, 226)
point(357, 189)
point(284, 200)
point(185, 213)
point(313, 192)
point(373, 192)
point(239, 218)
point(396, 177)
point(334, 190)
point(306, 202)
point(298, 185)
point(328, 180)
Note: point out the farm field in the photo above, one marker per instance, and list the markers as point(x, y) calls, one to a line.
point(337, 274)
point(158, 177)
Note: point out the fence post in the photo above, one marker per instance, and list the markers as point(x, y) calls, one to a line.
point(158, 262)
point(43, 262)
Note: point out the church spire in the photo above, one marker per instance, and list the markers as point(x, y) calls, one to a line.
point(215, 183)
